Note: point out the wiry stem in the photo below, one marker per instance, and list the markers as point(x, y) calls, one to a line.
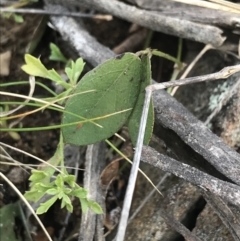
point(134, 171)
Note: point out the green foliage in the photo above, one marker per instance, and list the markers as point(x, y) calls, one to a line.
point(8, 214)
point(113, 96)
point(56, 54)
point(35, 67)
point(73, 72)
point(61, 186)
point(117, 83)
point(135, 117)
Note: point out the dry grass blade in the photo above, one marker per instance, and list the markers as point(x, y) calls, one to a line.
point(32, 87)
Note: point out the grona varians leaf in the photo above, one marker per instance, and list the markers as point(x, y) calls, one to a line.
point(116, 88)
point(135, 117)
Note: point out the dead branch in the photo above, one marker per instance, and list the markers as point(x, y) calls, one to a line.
point(179, 27)
point(190, 12)
point(176, 126)
point(91, 224)
point(228, 191)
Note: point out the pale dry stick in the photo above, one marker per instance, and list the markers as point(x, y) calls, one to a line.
point(223, 74)
point(26, 203)
point(190, 66)
point(52, 13)
point(134, 170)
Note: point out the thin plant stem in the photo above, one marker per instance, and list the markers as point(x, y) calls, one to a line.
point(27, 82)
point(134, 170)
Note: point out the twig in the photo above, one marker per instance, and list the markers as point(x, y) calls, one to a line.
point(131, 42)
point(89, 51)
point(45, 12)
point(93, 168)
point(228, 191)
point(222, 74)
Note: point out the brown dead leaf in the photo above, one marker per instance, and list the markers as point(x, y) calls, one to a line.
point(110, 172)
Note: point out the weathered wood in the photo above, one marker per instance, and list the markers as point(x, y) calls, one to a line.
point(228, 191)
point(175, 124)
point(179, 27)
point(190, 12)
point(90, 224)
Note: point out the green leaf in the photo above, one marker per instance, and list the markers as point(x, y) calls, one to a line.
point(45, 206)
point(117, 87)
point(135, 118)
point(33, 195)
point(37, 176)
point(96, 208)
point(66, 199)
point(54, 76)
point(75, 70)
point(59, 181)
point(8, 214)
point(34, 67)
point(42, 187)
point(52, 191)
point(56, 54)
point(70, 180)
point(69, 207)
point(67, 190)
point(18, 18)
point(79, 192)
point(84, 204)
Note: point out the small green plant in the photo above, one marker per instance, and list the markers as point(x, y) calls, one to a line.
point(61, 186)
point(56, 54)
